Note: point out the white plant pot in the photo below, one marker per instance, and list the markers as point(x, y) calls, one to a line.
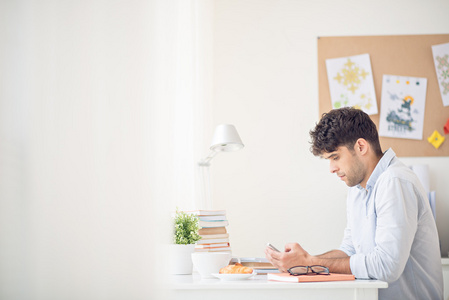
point(180, 257)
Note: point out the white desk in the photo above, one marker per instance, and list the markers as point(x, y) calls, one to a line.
point(258, 288)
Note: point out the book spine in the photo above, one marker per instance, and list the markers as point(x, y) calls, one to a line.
point(212, 246)
point(223, 249)
point(207, 212)
point(212, 241)
point(212, 230)
point(212, 218)
point(210, 224)
point(214, 236)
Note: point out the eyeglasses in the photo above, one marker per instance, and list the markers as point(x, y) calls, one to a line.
point(303, 270)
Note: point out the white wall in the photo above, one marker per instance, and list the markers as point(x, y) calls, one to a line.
point(265, 83)
point(78, 141)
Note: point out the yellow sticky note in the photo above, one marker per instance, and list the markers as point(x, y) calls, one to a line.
point(436, 139)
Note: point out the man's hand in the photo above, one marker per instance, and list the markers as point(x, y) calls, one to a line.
point(294, 255)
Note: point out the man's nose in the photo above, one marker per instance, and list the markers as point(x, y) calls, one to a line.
point(333, 167)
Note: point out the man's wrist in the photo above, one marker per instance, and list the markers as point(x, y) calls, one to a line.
point(315, 260)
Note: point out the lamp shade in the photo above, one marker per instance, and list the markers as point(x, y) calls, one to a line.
point(226, 139)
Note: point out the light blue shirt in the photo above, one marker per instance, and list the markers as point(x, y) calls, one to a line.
point(391, 234)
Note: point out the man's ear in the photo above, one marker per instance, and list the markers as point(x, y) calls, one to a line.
point(361, 146)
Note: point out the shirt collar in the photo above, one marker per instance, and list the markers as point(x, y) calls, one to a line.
point(381, 166)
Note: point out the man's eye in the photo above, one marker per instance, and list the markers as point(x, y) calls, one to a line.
point(335, 157)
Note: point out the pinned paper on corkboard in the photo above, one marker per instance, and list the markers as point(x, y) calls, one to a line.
point(436, 139)
point(402, 107)
point(351, 83)
point(441, 57)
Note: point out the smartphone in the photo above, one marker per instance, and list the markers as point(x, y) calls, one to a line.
point(273, 247)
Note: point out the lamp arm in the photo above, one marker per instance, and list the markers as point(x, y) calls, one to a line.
point(203, 167)
point(206, 161)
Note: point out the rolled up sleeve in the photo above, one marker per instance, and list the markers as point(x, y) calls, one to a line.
point(358, 266)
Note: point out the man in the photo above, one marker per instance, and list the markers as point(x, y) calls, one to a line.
point(391, 234)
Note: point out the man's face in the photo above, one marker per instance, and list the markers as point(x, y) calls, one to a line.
point(347, 165)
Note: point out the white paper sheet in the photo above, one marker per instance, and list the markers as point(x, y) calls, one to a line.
point(441, 59)
point(351, 83)
point(422, 171)
point(402, 107)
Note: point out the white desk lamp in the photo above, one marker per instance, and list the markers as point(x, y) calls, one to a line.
point(225, 139)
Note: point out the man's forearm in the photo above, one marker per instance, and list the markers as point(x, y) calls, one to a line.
point(333, 254)
point(337, 261)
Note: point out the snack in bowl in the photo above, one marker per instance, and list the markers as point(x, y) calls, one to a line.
point(236, 269)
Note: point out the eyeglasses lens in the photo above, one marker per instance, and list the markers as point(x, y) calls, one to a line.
point(299, 270)
point(319, 269)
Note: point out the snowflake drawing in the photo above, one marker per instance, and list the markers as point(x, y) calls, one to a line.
point(351, 76)
point(351, 83)
point(442, 61)
point(445, 74)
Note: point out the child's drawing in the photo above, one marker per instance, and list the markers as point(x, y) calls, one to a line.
point(351, 83)
point(402, 107)
point(441, 59)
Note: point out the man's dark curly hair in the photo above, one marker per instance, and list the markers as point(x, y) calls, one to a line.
point(343, 127)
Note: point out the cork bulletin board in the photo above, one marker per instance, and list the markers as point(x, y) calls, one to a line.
point(403, 55)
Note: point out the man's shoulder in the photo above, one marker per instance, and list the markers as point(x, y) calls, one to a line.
point(398, 170)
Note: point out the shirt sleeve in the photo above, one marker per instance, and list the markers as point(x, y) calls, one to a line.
point(396, 203)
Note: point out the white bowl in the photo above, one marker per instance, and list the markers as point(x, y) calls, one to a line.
point(207, 263)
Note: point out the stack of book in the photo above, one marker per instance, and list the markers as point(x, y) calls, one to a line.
point(214, 236)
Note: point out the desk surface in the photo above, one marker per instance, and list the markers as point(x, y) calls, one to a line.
point(191, 287)
point(194, 282)
point(445, 261)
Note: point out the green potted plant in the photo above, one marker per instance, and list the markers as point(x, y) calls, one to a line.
point(185, 235)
